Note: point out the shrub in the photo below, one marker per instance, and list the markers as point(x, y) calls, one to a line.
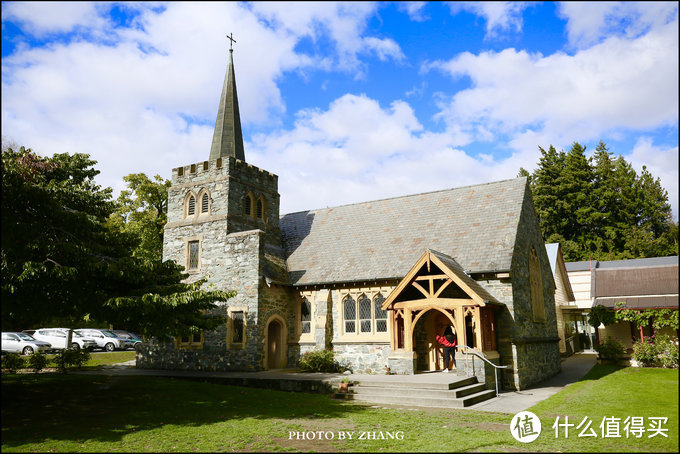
point(37, 362)
point(12, 362)
point(662, 351)
point(320, 361)
point(667, 352)
point(68, 357)
point(644, 352)
point(610, 349)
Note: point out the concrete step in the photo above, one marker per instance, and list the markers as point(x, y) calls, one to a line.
point(421, 392)
point(458, 393)
point(419, 401)
point(455, 382)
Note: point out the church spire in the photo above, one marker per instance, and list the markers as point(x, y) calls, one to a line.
point(227, 138)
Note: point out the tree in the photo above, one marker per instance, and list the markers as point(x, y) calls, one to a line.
point(143, 211)
point(61, 261)
point(599, 208)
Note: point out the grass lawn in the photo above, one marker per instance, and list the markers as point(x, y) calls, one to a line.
point(96, 360)
point(53, 412)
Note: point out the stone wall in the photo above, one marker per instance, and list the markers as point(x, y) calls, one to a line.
point(363, 358)
point(531, 348)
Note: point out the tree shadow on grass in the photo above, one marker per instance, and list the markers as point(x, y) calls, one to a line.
point(601, 370)
point(38, 408)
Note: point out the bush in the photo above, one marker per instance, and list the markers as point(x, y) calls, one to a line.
point(610, 349)
point(320, 361)
point(68, 357)
point(37, 362)
point(12, 362)
point(662, 351)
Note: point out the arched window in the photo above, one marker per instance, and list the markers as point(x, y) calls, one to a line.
point(365, 319)
point(259, 209)
point(380, 314)
point(205, 203)
point(536, 283)
point(247, 205)
point(350, 312)
point(191, 209)
point(306, 316)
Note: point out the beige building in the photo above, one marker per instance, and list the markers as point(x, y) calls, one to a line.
point(564, 298)
point(641, 284)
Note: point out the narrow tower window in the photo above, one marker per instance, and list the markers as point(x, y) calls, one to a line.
point(193, 255)
point(192, 206)
point(238, 324)
point(247, 202)
point(205, 203)
point(259, 209)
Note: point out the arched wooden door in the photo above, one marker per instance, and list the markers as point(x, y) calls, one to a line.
point(276, 343)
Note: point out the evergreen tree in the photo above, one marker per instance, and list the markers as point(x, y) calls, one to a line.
point(600, 208)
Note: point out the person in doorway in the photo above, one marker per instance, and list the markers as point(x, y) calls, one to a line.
point(448, 341)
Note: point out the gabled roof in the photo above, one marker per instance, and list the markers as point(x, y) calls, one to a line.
point(383, 239)
point(451, 269)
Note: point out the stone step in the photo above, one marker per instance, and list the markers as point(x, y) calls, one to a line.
point(418, 401)
point(456, 382)
point(413, 391)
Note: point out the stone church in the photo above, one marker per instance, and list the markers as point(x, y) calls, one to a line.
point(371, 281)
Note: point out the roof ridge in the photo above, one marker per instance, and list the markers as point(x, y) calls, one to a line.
point(403, 196)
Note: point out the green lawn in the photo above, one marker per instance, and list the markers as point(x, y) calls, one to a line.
point(53, 412)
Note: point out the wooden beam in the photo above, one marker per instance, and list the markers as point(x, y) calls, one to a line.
point(422, 290)
point(432, 276)
point(445, 303)
point(441, 289)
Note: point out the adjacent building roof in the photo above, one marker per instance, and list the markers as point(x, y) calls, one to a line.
point(642, 283)
point(382, 239)
point(558, 268)
point(631, 263)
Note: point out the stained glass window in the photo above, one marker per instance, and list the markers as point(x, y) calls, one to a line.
point(259, 209)
point(350, 314)
point(380, 314)
point(365, 314)
point(238, 323)
point(306, 316)
point(193, 255)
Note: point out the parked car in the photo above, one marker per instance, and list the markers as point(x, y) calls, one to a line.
point(58, 336)
point(105, 339)
point(132, 337)
point(23, 343)
point(29, 331)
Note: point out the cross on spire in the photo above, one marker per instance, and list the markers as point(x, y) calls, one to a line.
point(231, 38)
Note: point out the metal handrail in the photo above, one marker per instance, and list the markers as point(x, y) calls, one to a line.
point(476, 353)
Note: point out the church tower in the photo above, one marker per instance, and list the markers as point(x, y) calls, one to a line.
point(223, 225)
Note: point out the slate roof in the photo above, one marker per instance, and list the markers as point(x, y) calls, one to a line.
point(382, 239)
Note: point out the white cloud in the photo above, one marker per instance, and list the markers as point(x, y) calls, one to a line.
point(414, 10)
point(662, 162)
point(357, 150)
point(127, 103)
point(41, 18)
point(619, 83)
point(590, 22)
point(500, 16)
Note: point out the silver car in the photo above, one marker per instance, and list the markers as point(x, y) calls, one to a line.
point(23, 343)
point(58, 337)
point(104, 339)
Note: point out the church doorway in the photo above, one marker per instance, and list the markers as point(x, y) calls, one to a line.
point(276, 344)
point(429, 352)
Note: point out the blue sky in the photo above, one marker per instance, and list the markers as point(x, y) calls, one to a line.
point(345, 102)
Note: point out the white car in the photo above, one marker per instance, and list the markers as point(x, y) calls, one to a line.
point(105, 339)
point(23, 343)
point(58, 337)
